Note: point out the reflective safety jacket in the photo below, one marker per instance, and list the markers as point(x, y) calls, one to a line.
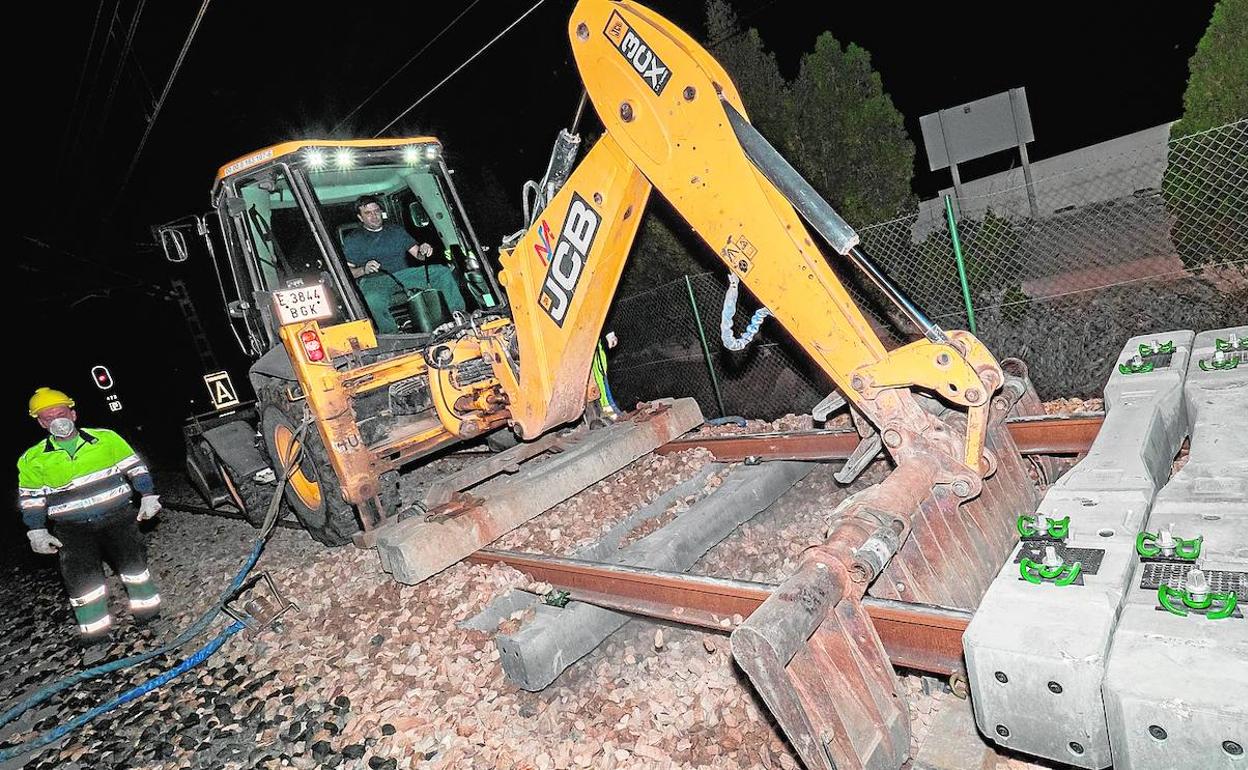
point(100, 477)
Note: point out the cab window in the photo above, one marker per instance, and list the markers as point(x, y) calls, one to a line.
point(404, 292)
point(279, 237)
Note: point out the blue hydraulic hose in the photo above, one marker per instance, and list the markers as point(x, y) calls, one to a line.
point(195, 629)
point(138, 691)
point(192, 631)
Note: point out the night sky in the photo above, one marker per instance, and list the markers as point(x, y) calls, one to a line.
point(89, 281)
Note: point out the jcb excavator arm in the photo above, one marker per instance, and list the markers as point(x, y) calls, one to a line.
point(675, 122)
point(667, 107)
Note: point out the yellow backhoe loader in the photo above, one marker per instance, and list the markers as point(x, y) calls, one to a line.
point(516, 358)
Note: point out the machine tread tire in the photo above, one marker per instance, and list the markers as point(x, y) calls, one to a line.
point(255, 496)
point(334, 521)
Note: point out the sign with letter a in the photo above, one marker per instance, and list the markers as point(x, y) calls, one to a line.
point(221, 390)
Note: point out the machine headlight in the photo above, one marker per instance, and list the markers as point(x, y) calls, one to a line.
point(315, 158)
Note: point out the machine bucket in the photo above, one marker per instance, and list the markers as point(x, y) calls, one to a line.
point(812, 652)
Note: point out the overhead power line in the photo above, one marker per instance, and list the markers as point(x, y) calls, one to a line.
point(130, 278)
point(77, 127)
point(467, 61)
point(160, 103)
point(404, 66)
point(82, 79)
point(140, 75)
point(121, 64)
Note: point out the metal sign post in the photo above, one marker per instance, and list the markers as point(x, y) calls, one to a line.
point(975, 129)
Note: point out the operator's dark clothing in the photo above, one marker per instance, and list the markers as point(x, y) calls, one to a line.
point(389, 247)
point(83, 493)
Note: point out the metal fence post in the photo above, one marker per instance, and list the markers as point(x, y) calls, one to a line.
point(957, 253)
point(706, 351)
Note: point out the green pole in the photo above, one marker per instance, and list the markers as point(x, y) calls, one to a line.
point(957, 253)
point(706, 351)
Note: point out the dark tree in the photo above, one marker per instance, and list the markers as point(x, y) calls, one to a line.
point(1217, 84)
point(846, 137)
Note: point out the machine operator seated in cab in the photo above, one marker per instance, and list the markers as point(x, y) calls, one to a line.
point(381, 256)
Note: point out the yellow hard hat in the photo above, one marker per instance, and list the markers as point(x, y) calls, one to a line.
point(46, 397)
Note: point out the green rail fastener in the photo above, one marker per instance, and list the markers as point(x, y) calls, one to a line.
point(1220, 361)
point(1188, 549)
point(1157, 348)
point(957, 253)
point(1235, 342)
point(557, 598)
point(1136, 365)
point(1037, 573)
point(1151, 544)
point(706, 350)
point(1215, 606)
point(1057, 529)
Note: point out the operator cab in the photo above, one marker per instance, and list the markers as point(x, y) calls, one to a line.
point(296, 247)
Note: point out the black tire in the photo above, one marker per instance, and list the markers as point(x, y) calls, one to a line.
point(249, 496)
point(501, 440)
point(312, 491)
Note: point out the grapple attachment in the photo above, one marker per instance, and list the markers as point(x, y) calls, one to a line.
point(922, 536)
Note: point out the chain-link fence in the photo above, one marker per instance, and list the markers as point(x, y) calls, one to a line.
point(1060, 275)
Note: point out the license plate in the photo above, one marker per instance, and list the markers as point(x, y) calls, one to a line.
point(306, 303)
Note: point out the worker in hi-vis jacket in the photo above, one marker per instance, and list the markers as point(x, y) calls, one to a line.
point(76, 493)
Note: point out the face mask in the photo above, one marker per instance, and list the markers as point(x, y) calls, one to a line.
point(61, 427)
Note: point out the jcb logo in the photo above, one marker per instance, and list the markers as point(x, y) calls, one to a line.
point(641, 56)
point(576, 239)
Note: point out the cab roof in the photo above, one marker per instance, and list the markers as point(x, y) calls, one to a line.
point(289, 148)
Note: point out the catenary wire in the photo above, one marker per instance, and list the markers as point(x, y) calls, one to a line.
point(402, 67)
point(454, 72)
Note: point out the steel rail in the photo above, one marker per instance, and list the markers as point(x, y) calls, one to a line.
point(1033, 435)
point(916, 636)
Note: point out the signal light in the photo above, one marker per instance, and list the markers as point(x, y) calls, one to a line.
point(103, 378)
point(312, 345)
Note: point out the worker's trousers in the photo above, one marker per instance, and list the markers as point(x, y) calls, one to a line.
point(379, 289)
point(85, 545)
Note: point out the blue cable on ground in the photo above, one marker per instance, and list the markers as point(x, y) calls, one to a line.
point(192, 631)
point(195, 629)
point(138, 691)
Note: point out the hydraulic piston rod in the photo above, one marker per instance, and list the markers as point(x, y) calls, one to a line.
point(822, 217)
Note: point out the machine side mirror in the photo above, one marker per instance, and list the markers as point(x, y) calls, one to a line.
point(173, 242)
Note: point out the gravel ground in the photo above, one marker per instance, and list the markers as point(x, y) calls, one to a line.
point(369, 673)
point(372, 674)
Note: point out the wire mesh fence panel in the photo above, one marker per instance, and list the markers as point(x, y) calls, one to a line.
point(660, 352)
point(1060, 275)
point(768, 379)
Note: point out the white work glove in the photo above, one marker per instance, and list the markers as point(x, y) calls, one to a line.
point(149, 506)
point(41, 541)
point(372, 266)
point(423, 251)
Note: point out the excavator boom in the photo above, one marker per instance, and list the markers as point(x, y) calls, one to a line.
point(933, 530)
point(674, 122)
